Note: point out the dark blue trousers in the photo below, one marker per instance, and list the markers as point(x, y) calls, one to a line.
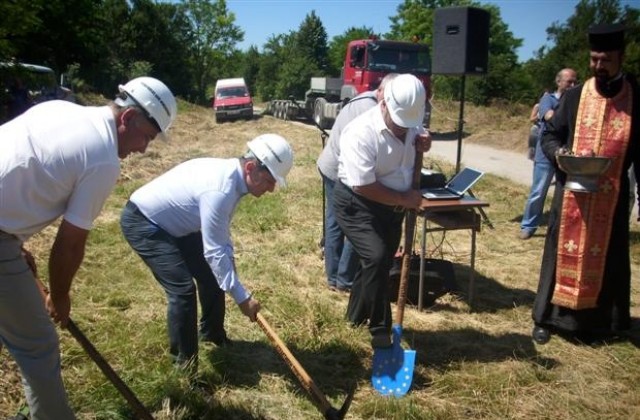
point(175, 263)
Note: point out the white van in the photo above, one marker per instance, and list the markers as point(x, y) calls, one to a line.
point(232, 100)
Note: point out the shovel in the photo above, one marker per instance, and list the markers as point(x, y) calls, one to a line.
point(392, 368)
point(319, 399)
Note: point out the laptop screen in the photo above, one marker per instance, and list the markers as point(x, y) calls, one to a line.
point(464, 180)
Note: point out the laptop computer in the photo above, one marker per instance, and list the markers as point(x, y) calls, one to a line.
point(455, 188)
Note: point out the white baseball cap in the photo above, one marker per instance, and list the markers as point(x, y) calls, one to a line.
point(405, 97)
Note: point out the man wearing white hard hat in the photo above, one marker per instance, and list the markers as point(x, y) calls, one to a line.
point(179, 224)
point(61, 159)
point(375, 170)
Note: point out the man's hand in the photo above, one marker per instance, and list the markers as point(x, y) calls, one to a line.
point(250, 308)
point(59, 308)
point(412, 199)
point(423, 142)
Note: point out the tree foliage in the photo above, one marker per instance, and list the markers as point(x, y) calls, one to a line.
point(189, 44)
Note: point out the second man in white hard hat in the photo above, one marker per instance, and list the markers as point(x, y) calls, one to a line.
point(376, 163)
point(179, 224)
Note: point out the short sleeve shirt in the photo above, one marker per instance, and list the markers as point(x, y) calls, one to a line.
point(56, 159)
point(370, 153)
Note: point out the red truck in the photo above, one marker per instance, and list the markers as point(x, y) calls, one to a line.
point(367, 61)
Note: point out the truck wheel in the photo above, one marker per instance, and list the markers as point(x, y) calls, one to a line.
point(279, 110)
point(318, 112)
point(285, 115)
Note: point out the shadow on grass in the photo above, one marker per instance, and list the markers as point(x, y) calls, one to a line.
point(544, 219)
point(470, 346)
point(490, 295)
point(332, 368)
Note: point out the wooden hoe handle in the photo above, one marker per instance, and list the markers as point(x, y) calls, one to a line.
point(318, 398)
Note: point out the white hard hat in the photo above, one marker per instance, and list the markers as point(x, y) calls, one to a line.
point(154, 97)
point(275, 153)
point(405, 97)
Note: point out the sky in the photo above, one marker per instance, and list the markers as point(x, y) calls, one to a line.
point(260, 19)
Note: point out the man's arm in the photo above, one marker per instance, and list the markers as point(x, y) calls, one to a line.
point(557, 130)
point(379, 193)
point(66, 256)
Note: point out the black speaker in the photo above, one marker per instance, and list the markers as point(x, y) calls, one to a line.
point(460, 40)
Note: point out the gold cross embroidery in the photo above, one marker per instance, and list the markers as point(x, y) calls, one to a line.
point(595, 250)
point(617, 123)
point(589, 120)
point(570, 246)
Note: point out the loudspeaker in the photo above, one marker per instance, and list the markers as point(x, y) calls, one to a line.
point(460, 40)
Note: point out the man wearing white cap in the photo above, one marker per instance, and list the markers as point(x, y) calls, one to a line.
point(375, 172)
point(61, 159)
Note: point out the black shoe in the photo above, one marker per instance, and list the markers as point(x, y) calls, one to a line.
point(540, 335)
point(381, 341)
point(225, 342)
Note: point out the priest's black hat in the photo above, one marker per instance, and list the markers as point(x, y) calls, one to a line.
point(606, 37)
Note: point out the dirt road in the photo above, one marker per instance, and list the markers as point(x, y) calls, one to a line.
point(511, 165)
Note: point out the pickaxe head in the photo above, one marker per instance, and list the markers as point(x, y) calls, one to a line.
point(334, 414)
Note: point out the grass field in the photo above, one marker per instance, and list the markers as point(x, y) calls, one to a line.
point(478, 363)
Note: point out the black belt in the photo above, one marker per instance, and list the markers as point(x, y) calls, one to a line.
point(394, 209)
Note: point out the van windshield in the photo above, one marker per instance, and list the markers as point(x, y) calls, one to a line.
point(232, 92)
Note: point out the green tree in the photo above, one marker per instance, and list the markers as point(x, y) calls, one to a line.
point(251, 68)
point(272, 57)
point(311, 41)
point(570, 45)
point(17, 19)
point(213, 36)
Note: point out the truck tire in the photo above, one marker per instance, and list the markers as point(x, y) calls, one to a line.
point(318, 112)
point(280, 110)
point(285, 115)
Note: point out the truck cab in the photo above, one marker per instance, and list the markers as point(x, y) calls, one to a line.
point(368, 60)
point(232, 100)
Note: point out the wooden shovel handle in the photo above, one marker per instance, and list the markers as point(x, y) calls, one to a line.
point(319, 399)
point(409, 228)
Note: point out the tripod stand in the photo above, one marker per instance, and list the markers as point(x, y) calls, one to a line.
point(485, 218)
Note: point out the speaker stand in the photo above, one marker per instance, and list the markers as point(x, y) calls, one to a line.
point(485, 218)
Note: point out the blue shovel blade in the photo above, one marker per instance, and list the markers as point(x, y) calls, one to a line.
point(393, 367)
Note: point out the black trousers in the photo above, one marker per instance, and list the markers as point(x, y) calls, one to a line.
point(374, 230)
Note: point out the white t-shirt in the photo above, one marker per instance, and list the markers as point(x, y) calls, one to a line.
point(200, 195)
point(56, 159)
point(369, 152)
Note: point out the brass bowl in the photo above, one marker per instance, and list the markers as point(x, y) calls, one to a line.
point(583, 171)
